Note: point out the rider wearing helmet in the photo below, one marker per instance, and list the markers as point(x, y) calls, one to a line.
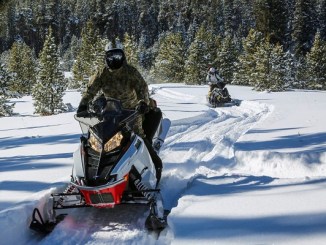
point(214, 79)
point(121, 81)
point(117, 80)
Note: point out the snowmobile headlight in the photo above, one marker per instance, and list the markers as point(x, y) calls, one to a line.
point(114, 142)
point(95, 143)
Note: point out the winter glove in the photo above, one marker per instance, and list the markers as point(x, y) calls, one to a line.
point(152, 103)
point(99, 104)
point(81, 108)
point(142, 107)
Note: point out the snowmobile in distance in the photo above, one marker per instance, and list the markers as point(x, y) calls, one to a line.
point(219, 96)
point(112, 165)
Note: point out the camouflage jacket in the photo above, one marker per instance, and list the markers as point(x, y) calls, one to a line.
point(125, 84)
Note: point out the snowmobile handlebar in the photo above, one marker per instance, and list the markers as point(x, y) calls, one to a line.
point(86, 114)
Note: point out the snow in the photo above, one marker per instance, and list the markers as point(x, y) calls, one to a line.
point(253, 174)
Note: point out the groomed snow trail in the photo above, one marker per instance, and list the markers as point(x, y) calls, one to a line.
point(200, 143)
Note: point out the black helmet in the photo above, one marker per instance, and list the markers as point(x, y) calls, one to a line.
point(115, 58)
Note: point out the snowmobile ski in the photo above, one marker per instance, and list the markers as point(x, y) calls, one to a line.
point(42, 227)
point(233, 102)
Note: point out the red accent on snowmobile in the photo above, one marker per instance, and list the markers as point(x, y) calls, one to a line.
point(105, 197)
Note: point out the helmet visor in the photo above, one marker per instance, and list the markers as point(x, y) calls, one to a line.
point(114, 58)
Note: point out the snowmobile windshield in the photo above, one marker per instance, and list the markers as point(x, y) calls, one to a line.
point(107, 121)
point(86, 122)
point(113, 121)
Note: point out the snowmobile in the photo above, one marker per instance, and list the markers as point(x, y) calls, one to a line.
point(112, 165)
point(219, 96)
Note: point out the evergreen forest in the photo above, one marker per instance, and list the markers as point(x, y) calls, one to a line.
point(272, 45)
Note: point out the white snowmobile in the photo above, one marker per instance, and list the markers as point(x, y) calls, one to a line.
point(112, 165)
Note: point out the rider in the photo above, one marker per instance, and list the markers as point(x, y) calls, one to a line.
point(122, 81)
point(216, 81)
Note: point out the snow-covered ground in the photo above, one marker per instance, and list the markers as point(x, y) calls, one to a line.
point(253, 174)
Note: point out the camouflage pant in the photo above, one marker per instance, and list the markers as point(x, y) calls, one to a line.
point(138, 126)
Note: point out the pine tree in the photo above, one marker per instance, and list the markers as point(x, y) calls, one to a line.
point(226, 58)
point(50, 85)
point(300, 68)
point(322, 19)
point(70, 54)
point(14, 66)
point(271, 19)
point(290, 71)
point(304, 26)
point(6, 81)
point(131, 50)
point(201, 55)
point(169, 63)
point(85, 66)
point(245, 67)
point(270, 67)
point(229, 17)
point(277, 68)
point(99, 54)
point(23, 65)
point(245, 16)
point(29, 67)
point(316, 64)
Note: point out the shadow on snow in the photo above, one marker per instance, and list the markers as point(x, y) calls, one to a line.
point(297, 224)
point(9, 143)
point(17, 163)
point(316, 141)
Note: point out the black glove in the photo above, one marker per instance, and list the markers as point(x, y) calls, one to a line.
point(142, 107)
point(81, 108)
point(99, 104)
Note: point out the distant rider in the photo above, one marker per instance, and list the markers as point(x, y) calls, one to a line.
point(214, 80)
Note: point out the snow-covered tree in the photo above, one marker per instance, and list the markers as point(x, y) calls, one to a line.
point(290, 70)
point(226, 57)
point(322, 19)
point(271, 19)
point(131, 50)
point(22, 64)
point(6, 80)
point(85, 66)
point(229, 19)
point(169, 63)
point(269, 71)
point(50, 86)
point(200, 57)
point(70, 54)
point(316, 64)
point(304, 26)
point(246, 65)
